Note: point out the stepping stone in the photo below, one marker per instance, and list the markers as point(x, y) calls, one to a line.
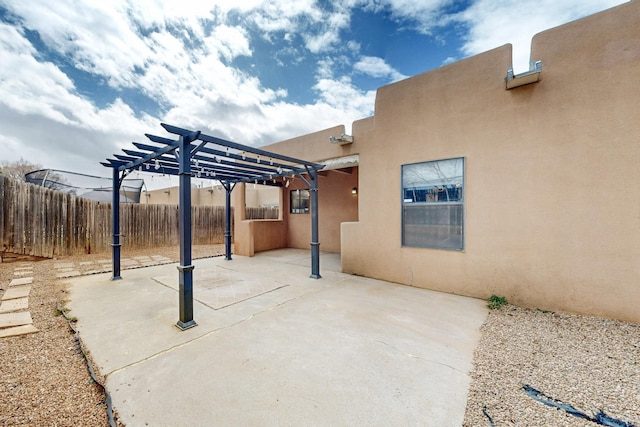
point(16, 292)
point(21, 281)
point(23, 268)
point(22, 273)
point(63, 265)
point(18, 330)
point(15, 319)
point(16, 304)
point(66, 274)
point(86, 262)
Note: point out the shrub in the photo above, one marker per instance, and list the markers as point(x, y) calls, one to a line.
point(495, 302)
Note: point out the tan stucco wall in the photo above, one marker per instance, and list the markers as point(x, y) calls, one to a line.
point(251, 236)
point(206, 196)
point(261, 196)
point(552, 169)
point(212, 196)
point(336, 204)
point(315, 146)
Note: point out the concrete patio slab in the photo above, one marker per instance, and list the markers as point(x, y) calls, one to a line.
point(342, 350)
point(219, 288)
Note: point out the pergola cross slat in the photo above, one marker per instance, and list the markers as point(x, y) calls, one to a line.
point(212, 158)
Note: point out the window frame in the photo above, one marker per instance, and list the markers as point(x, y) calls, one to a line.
point(298, 192)
point(462, 203)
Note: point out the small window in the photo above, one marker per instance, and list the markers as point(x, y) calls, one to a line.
point(433, 204)
point(299, 201)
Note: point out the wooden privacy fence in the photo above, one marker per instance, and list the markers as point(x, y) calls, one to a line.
point(43, 222)
point(262, 213)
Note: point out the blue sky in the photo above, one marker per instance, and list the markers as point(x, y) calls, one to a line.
point(79, 80)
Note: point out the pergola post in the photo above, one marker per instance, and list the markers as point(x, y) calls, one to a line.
point(115, 225)
point(315, 241)
point(185, 268)
point(227, 222)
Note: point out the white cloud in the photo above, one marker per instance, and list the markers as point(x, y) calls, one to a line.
point(96, 36)
point(284, 15)
point(12, 41)
point(449, 60)
point(317, 43)
point(181, 55)
point(341, 94)
point(492, 24)
point(46, 121)
point(377, 67)
point(319, 28)
point(425, 15)
point(229, 41)
point(174, 51)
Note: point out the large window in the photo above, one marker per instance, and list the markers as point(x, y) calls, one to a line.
point(299, 201)
point(433, 204)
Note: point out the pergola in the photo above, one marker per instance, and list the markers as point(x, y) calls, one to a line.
point(207, 157)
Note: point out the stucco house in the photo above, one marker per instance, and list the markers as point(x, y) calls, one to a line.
point(472, 181)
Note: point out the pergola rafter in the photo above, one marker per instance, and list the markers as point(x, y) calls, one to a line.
point(207, 157)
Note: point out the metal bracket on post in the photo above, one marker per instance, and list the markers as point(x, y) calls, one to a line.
point(186, 299)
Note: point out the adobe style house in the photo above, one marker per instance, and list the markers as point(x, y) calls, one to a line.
point(469, 182)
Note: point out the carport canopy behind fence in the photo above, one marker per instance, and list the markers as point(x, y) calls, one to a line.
point(207, 157)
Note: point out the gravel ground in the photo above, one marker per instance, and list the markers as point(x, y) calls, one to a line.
point(590, 363)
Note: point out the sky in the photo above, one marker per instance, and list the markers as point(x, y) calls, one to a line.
point(80, 79)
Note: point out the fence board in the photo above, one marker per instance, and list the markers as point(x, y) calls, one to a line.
point(262, 213)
